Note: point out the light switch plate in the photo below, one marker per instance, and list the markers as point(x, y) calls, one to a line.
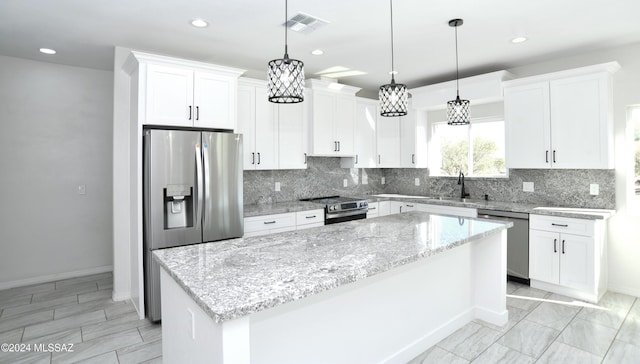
point(594, 189)
point(277, 187)
point(527, 186)
point(417, 182)
point(382, 180)
point(82, 189)
point(345, 183)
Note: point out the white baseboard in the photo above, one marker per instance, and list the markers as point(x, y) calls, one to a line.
point(492, 317)
point(55, 277)
point(631, 291)
point(431, 338)
point(121, 296)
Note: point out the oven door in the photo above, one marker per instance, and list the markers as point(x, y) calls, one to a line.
point(334, 218)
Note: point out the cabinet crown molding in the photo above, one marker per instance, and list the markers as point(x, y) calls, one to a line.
point(137, 57)
point(609, 67)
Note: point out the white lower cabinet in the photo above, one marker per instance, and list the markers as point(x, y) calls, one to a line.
point(568, 256)
point(373, 210)
point(398, 207)
point(384, 208)
point(309, 219)
point(269, 224)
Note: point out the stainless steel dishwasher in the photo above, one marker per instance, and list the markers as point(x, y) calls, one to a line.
point(517, 242)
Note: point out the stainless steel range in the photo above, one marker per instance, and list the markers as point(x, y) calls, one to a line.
point(340, 209)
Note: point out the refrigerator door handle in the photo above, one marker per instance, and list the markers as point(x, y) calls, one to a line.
point(205, 155)
point(199, 182)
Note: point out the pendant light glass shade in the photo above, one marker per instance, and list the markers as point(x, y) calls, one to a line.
point(285, 76)
point(458, 109)
point(393, 96)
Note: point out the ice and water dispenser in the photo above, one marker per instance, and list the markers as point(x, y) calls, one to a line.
point(178, 206)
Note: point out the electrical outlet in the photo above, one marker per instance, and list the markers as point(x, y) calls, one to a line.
point(382, 180)
point(594, 189)
point(345, 183)
point(417, 182)
point(277, 188)
point(365, 179)
point(527, 186)
point(82, 189)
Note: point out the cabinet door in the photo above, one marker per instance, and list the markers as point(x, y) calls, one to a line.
point(580, 122)
point(247, 124)
point(544, 256)
point(527, 120)
point(365, 135)
point(266, 131)
point(577, 261)
point(344, 124)
point(408, 140)
point(214, 101)
point(384, 208)
point(388, 142)
point(324, 142)
point(395, 207)
point(169, 96)
point(292, 138)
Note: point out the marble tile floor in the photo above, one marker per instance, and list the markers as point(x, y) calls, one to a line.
point(76, 311)
point(547, 328)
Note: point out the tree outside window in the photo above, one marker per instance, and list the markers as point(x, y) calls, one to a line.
point(477, 150)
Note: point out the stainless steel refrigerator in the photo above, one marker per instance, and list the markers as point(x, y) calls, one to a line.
point(192, 193)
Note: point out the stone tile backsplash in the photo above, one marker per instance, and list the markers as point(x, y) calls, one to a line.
point(324, 177)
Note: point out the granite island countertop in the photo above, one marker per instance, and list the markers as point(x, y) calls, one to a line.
point(238, 277)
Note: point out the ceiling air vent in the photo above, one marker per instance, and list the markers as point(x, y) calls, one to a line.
point(304, 23)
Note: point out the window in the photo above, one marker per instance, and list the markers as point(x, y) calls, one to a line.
point(634, 128)
point(477, 149)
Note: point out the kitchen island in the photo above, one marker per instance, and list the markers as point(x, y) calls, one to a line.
point(366, 291)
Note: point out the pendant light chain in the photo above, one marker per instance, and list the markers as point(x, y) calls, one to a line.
point(457, 70)
point(286, 20)
point(393, 68)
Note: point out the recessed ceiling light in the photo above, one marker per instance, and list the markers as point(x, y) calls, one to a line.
point(317, 52)
point(47, 51)
point(517, 40)
point(199, 23)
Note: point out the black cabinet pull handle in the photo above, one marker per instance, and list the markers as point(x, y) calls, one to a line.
point(338, 146)
point(413, 159)
point(554, 156)
point(378, 158)
point(305, 158)
point(197, 112)
point(269, 222)
point(258, 158)
point(311, 217)
point(555, 245)
point(563, 246)
point(546, 156)
point(253, 158)
point(561, 225)
point(356, 159)
point(409, 205)
point(190, 112)
point(372, 208)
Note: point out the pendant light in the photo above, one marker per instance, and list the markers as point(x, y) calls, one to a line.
point(393, 96)
point(457, 110)
point(285, 75)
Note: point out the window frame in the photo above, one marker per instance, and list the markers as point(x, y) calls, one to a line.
point(431, 128)
point(632, 200)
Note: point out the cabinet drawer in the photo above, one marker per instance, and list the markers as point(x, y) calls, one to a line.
point(562, 225)
point(309, 217)
point(309, 226)
point(269, 222)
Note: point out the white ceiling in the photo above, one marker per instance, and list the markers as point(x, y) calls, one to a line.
point(248, 33)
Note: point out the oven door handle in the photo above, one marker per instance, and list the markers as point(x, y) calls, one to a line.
point(335, 215)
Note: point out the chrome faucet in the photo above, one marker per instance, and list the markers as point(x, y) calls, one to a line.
point(463, 193)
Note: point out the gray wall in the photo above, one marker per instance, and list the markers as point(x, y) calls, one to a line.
point(56, 135)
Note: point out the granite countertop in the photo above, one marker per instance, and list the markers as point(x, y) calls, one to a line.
point(280, 208)
point(238, 277)
point(560, 211)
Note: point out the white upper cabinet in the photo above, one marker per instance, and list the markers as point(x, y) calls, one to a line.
point(388, 142)
point(365, 134)
point(561, 120)
point(408, 140)
point(274, 135)
point(402, 141)
point(332, 114)
point(177, 92)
